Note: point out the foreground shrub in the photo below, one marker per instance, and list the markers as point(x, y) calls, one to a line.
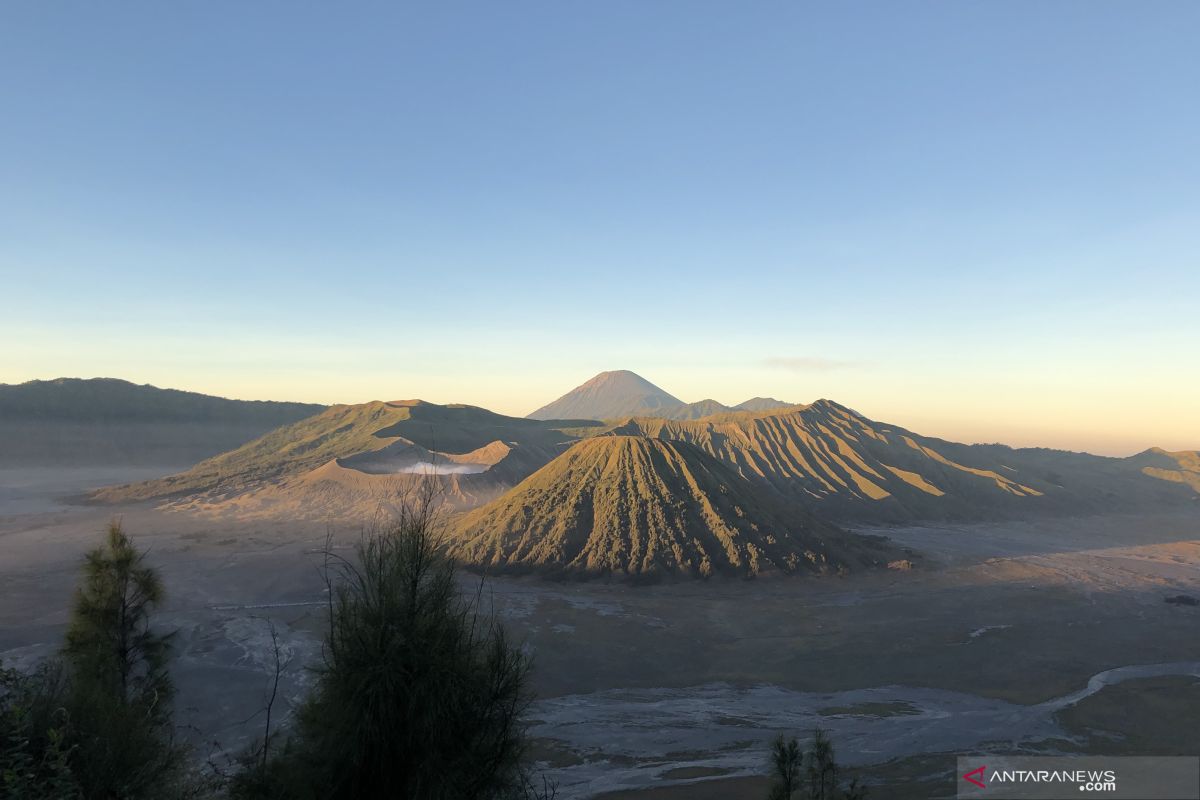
point(420, 695)
point(35, 736)
point(118, 693)
point(811, 774)
point(96, 723)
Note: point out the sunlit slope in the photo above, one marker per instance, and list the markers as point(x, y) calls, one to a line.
point(621, 393)
point(338, 494)
point(609, 395)
point(850, 467)
point(369, 433)
point(1181, 467)
point(632, 505)
point(761, 404)
point(697, 410)
point(822, 457)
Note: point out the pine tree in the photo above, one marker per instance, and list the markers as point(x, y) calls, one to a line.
point(822, 769)
point(119, 700)
point(786, 760)
point(109, 640)
point(421, 693)
point(790, 765)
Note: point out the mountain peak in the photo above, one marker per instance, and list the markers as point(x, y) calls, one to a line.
point(761, 404)
point(611, 394)
point(617, 373)
point(622, 378)
point(636, 505)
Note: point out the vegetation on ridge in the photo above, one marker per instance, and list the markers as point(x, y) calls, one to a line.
point(75, 422)
point(342, 431)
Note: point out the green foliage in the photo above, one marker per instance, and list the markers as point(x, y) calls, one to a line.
point(98, 723)
point(109, 641)
point(119, 692)
point(421, 693)
point(272, 779)
point(35, 736)
point(122, 749)
point(110, 400)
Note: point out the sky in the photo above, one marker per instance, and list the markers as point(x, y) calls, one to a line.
point(977, 220)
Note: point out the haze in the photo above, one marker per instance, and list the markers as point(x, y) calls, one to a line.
point(974, 222)
point(599, 401)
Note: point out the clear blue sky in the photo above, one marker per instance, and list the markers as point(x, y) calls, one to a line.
point(980, 220)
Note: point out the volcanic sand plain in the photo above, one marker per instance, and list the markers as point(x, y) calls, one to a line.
point(1032, 636)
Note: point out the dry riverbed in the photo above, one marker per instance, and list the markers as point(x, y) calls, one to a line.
point(1007, 639)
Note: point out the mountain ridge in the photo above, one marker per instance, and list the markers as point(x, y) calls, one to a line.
point(852, 468)
point(116, 398)
point(621, 393)
point(377, 429)
point(822, 459)
point(646, 507)
point(81, 421)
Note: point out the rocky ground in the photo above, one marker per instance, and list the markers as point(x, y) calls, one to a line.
point(673, 690)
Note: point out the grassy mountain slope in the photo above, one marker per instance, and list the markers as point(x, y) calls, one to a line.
point(697, 410)
point(349, 431)
point(822, 457)
point(1182, 467)
point(104, 420)
point(632, 505)
point(761, 404)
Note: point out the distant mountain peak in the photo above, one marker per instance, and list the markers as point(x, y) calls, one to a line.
point(620, 394)
point(618, 373)
point(761, 404)
point(609, 395)
point(625, 380)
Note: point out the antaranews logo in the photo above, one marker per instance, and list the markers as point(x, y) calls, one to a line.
point(976, 776)
point(1052, 777)
point(1088, 780)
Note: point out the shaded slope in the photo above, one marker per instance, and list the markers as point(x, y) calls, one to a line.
point(1181, 467)
point(823, 457)
point(697, 410)
point(109, 421)
point(633, 505)
point(361, 487)
point(609, 395)
point(379, 431)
